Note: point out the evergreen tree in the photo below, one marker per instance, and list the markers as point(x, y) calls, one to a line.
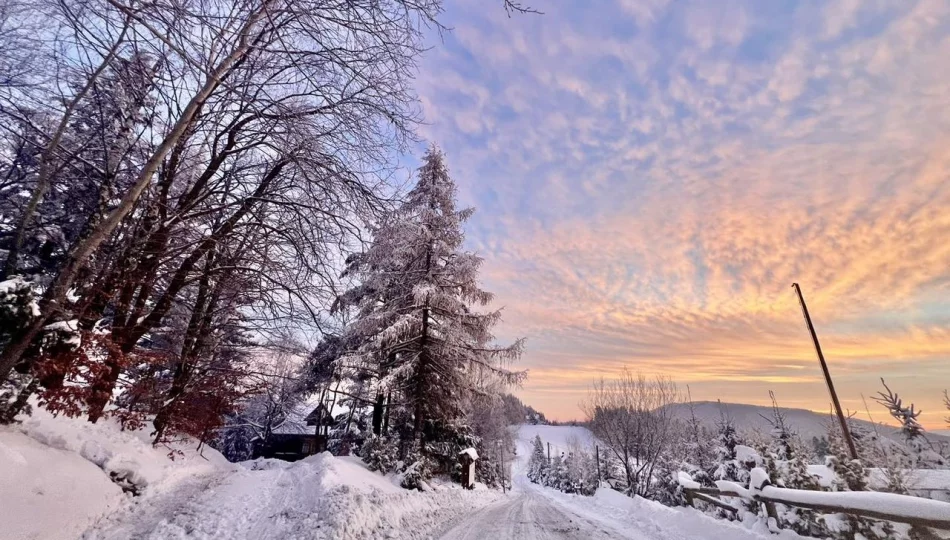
point(556, 475)
point(921, 452)
point(667, 489)
point(851, 475)
point(379, 454)
point(782, 435)
point(727, 467)
point(795, 475)
point(538, 462)
point(415, 331)
point(699, 453)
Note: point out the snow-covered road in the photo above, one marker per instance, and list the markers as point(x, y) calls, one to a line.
point(529, 515)
point(531, 511)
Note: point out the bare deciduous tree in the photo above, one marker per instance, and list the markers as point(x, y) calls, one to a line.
point(631, 415)
point(318, 92)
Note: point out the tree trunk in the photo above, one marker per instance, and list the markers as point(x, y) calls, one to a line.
point(378, 414)
point(421, 376)
point(196, 335)
point(422, 372)
point(389, 406)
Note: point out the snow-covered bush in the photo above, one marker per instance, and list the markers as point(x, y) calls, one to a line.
point(235, 443)
point(17, 306)
point(380, 454)
point(735, 460)
point(417, 472)
point(667, 489)
point(574, 472)
point(571, 472)
point(850, 475)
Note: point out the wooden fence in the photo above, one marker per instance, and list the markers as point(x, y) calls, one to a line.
point(913, 511)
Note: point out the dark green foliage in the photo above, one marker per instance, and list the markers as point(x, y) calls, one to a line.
point(380, 454)
point(666, 487)
point(517, 412)
point(417, 472)
point(538, 462)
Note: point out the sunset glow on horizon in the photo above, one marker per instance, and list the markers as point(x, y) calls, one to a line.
point(650, 177)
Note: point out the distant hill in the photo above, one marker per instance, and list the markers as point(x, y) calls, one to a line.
point(516, 412)
point(749, 418)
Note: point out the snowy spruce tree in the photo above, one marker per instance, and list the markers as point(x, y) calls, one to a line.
point(850, 475)
point(920, 452)
point(415, 328)
point(538, 462)
point(727, 467)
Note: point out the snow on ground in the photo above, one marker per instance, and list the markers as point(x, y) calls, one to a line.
point(926, 483)
point(48, 493)
point(319, 497)
point(59, 475)
point(538, 512)
point(643, 519)
point(63, 478)
point(561, 438)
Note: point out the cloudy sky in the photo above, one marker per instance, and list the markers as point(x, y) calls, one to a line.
point(650, 177)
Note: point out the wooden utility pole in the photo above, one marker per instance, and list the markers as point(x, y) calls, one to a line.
point(824, 368)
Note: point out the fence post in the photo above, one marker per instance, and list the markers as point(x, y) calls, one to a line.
point(772, 513)
point(549, 453)
point(689, 497)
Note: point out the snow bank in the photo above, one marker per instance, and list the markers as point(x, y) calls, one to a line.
point(319, 497)
point(64, 478)
point(639, 514)
point(127, 456)
point(48, 493)
point(60, 475)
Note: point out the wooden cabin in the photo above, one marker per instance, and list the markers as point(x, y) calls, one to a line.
point(298, 438)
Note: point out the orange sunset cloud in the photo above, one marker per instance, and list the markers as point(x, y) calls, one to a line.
point(647, 195)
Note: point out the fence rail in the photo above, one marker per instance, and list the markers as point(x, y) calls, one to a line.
point(913, 511)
